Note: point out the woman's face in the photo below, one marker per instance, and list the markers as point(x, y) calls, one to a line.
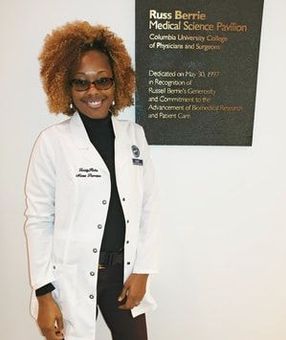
point(93, 102)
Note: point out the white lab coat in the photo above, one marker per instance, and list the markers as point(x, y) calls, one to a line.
point(68, 191)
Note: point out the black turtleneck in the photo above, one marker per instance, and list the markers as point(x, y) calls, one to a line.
point(101, 135)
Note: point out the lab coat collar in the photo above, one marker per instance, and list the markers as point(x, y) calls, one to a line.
point(80, 135)
point(81, 140)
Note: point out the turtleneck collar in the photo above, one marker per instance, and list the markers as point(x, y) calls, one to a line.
point(94, 122)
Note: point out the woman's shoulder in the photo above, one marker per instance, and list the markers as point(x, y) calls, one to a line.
point(56, 128)
point(129, 126)
point(52, 135)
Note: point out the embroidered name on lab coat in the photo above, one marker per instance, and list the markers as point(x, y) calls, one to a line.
point(87, 172)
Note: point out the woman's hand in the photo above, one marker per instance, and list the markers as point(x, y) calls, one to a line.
point(133, 291)
point(50, 319)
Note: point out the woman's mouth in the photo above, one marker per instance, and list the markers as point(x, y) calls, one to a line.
point(94, 103)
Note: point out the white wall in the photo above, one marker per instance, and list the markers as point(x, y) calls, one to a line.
point(223, 238)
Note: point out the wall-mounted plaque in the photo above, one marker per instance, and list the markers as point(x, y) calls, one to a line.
point(196, 66)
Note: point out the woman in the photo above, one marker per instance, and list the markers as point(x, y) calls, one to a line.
point(91, 198)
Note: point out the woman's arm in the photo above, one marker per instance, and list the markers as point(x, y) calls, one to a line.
point(146, 261)
point(40, 201)
point(39, 227)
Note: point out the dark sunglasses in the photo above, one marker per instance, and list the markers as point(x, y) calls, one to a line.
point(84, 84)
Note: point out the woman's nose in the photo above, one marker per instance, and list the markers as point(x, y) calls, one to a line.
point(92, 88)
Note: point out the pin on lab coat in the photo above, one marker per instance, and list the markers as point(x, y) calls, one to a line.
point(68, 191)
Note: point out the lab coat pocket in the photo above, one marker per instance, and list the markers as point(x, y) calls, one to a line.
point(66, 292)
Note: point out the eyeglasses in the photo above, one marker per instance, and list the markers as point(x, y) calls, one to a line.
point(104, 83)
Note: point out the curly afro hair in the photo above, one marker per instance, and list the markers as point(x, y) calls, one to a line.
point(62, 51)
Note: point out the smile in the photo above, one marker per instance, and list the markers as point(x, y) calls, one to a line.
point(94, 103)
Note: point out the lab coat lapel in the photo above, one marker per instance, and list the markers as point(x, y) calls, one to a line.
point(121, 145)
point(81, 140)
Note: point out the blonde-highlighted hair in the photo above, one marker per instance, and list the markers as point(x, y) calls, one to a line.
point(62, 51)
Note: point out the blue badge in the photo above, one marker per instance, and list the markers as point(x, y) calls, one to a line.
point(135, 150)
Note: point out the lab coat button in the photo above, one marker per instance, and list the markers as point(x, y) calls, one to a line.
point(128, 263)
point(123, 199)
point(104, 202)
point(91, 296)
point(94, 250)
point(127, 241)
point(92, 273)
point(127, 221)
point(99, 226)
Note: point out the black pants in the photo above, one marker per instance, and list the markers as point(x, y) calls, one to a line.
point(120, 322)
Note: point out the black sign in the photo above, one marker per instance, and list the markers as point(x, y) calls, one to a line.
point(196, 67)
